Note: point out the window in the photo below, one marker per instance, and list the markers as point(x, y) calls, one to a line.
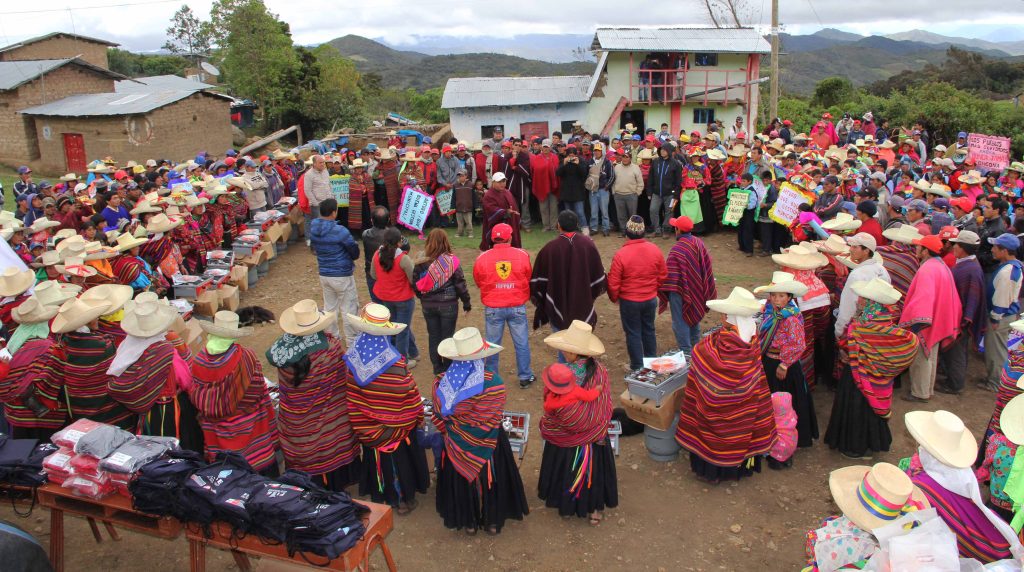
point(566, 127)
point(487, 131)
point(705, 59)
point(702, 116)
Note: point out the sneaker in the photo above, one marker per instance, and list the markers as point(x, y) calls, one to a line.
point(470, 235)
point(525, 383)
point(913, 398)
point(986, 386)
point(411, 364)
point(308, 243)
point(586, 231)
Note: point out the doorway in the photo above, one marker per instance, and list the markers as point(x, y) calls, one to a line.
point(74, 152)
point(634, 116)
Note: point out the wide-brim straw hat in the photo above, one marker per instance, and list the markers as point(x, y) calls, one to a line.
point(76, 266)
point(944, 435)
point(225, 325)
point(1011, 420)
point(147, 319)
point(466, 345)
point(1016, 166)
point(800, 257)
point(835, 244)
point(374, 319)
point(126, 242)
point(162, 223)
point(411, 157)
point(76, 313)
point(305, 318)
point(905, 234)
point(99, 252)
point(842, 222)
point(849, 263)
point(938, 189)
point(741, 302)
point(191, 201)
point(358, 163)
point(32, 311)
point(238, 182)
point(783, 282)
point(14, 282)
point(42, 223)
point(872, 497)
point(716, 154)
point(877, 290)
point(115, 296)
point(145, 207)
point(217, 191)
point(64, 234)
point(738, 151)
point(972, 177)
point(68, 178)
point(53, 293)
point(578, 339)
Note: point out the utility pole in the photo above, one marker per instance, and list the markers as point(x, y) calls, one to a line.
point(773, 102)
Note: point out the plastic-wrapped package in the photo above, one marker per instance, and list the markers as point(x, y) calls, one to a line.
point(68, 437)
point(102, 441)
point(90, 488)
point(134, 453)
point(86, 466)
point(58, 466)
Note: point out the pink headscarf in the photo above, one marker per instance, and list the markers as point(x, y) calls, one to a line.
point(785, 423)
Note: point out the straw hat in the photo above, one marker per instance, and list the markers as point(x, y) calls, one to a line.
point(95, 251)
point(100, 169)
point(76, 313)
point(783, 282)
point(971, 178)
point(32, 311)
point(887, 144)
point(843, 221)
point(800, 257)
point(411, 157)
point(741, 302)
point(737, 151)
point(145, 207)
point(225, 325)
point(53, 293)
point(871, 497)
point(1016, 166)
point(126, 242)
point(191, 201)
point(68, 178)
point(237, 182)
point(716, 154)
point(374, 319)
point(904, 233)
point(147, 319)
point(64, 234)
point(161, 223)
point(646, 154)
point(834, 245)
point(778, 144)
point(578, 338)
point(77, 241)
point(1011, 420)
point(358, 163)
point(42, 223)
point(217, 191)
point(48, 258)
point(944, 435)
point(466, 345)
point(14, 282)
point(877, 290)
point(305, 318)
point(938, 189)
point(113, 295)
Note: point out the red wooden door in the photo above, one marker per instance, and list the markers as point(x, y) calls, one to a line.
point(534, 129)
point(74, 152)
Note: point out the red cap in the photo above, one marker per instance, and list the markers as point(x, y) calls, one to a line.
point(787, 123)
point(230, 161)
point(506, 144)
point(263, 158)
point(120, 174)
point(558, 378)
point(826, 115)
point(446, 148)
point(501, 232)
point(650, 138)
point(741, 135)
point(683, 223)
point(425, 149)
point(963, 203)
point(932, 242)
point(948, 232)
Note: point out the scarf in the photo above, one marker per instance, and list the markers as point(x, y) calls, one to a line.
point(745, 328)
point(369, 357)
point(288, 350)
point(438, 273)
point(879, 351)
point(129, 352)
point(216, 345)
point(582, 422)
point(817, 292)
point(471, 430)
point(26, 332)
point(933, 302)
point(771, 322)
point(463, 380)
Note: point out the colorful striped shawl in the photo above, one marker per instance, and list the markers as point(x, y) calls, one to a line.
point(902, 263)
point(689, 275)
point(879, 351)
point(772, 318)
point(471, 431)
point(1008, 377)
point(220, 381)
point(127, 268)
point(359, 185)
point(389, 174)
point(25, 366)
point(970, 286)
point(385, 411)
point(438, 273)
point(583, 422)
point(77, 367)
point(717, 185)
point(727, 415)
point(932, 301)
point(139, 386)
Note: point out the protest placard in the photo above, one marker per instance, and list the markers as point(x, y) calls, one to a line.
point(988, 151)
point(339, 186)
point(735, 204)
point(787, 208)
point(444, 201)
point(414, 209)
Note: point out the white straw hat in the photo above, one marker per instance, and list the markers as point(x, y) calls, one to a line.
point(305, 318)
point(871, 497)
point(835, 244)
point(32, 311)
point(115, 296)
point(578, 338)
point(904, 233)
point(76, 313)
point(842, 221)
point(53, 293)
point(14, 282)
point(783, 282)
point(147, 319)
point(374, 319)
point(799, 257)
point(877, 290)
point(465, 345)
point(741, 302)
point(944, 435)
point(225, 325)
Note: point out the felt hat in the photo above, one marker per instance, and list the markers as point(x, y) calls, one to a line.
point(799, 257)
point(741, 302)
point(76, 313)
point(1011, 420)
point(871, 497)
point(716, 154)
point(32, 311)
point(411, 157)
point(305, 318)
point(53, 293)
point(944, 435)
point(115, 296)
point(783, 282)
point(42, 223)
point(578, 338)
point(161, 223)
point(48, 258)
point(225, 325)
point(877, 290)
point(465, 345)
point(374, 319)
point(905, 233)
point(558, 378)
point(126, 242)
point(972, 177)
point(842, 221)
point(835, 244)
point(145, 207)
point(14, 282)
point(147, 319)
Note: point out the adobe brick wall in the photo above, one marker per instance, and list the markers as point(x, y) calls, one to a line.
point(177, 131)
point(19, 142)
point(60, 47)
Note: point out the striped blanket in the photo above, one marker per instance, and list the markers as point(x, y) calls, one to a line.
point(901, 262)
point(1012, 370)
point(583, 422)
point(726, 415)
point(471, 431)
point(385, 411)
point(75, 372)
point(879, 351)
point(389, 173)
point(139, 386)
point(24, 369)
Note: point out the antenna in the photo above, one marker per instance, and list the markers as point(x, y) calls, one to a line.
point(210, 69)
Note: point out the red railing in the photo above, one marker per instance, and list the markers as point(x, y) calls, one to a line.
point(673, 85)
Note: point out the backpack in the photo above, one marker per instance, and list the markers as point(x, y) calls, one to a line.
point(226, 485)
point(593, 181)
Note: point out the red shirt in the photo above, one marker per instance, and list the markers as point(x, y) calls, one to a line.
point(503, 276)
point(638, 269)
point(872, 227)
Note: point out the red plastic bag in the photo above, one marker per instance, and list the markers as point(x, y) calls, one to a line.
point(90, 488)
point(85, 465)
point(68, 437)
point(58, 466)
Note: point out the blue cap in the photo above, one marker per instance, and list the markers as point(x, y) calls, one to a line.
point(961, 135)
point(24, 170)
point(44, 184)
point(918, 205)
point(637, 138)
point(372, 147)
point(231, 153)
point(427, 140)
point(1006, 240)
point(849, 207)
point(250, 163)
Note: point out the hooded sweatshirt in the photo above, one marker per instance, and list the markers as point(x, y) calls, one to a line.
point(334, 246)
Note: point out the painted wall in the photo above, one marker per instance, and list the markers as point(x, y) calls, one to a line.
point(467, 122)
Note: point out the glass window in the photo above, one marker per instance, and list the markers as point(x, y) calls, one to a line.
point(703, 115)
point(487, 131)
point(705, 59)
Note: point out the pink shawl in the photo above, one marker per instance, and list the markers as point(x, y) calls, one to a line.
point(932, 301)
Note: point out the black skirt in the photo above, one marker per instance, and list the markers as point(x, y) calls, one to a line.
point(803, 402)
point(495, 496)
point(559, 469)
point(402, 474)
point(854, 428)
point(343, 477)
point(163, 421)
point(714, 473)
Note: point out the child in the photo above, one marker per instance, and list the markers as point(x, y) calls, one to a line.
point(479, 187)
point(561, 389)
point(463, 205)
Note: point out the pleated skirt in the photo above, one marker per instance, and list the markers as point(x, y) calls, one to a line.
point(854, 428)
point(578, 480)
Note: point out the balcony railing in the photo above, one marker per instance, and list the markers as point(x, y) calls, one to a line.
point(681, 85)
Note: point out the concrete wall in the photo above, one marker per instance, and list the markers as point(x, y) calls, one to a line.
point(467, 122)
point(60, 47)
point(19, 142)
point(177, 131)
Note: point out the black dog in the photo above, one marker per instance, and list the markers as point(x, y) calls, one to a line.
point(629, 427)
point(252, 315)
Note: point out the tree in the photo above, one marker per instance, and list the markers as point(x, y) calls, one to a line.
point(426, 106)
point(220, 18)
point(188, 35)
point(832, 91)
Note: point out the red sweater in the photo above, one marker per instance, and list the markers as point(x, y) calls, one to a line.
point(503, 276)
point(638, 269)
point(872, 227)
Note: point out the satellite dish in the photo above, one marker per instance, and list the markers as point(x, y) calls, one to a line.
point(210, 69)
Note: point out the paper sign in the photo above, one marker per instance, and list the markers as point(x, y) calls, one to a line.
point(989, 151)
point(444, 201)
point(415, 209)
point(787, 208)
point(180, 185)
point(339, 186)
point(735, 203)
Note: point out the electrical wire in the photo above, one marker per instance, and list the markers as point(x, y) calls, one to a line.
point(69, 8)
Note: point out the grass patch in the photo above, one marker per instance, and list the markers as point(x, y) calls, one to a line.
point(9, 176)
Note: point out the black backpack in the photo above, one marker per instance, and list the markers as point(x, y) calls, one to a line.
point(226, 485)
point(159, 488)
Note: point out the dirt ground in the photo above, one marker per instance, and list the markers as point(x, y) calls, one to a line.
point(666, 519)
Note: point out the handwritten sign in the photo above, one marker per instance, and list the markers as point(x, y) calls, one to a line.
point(735, 204)
point(989, 151)
point(415, 209)
point(444, 201)
point(787, 208)
point(339, 186)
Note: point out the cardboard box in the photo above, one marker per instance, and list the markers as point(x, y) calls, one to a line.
point(239, 277)
point(273, 233)
point(295, 215)
point(285, 229)
point(644, 411)
point(269, 248)
point(207, 303)
point(193, 336)
point(228, 297)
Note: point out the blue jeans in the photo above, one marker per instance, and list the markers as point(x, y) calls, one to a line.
point(577, 207)
point(687, 335)
point(401, 312)
point(638, 323)
point(599, 210)
point(519, 326)
point(658, 223)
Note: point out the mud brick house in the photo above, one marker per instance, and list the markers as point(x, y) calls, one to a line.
point(59, 45)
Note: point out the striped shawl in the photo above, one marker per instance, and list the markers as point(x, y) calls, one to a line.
point(689, 275)
point(139, 386)
point(385, 411)
point(471, 431)
point(879, 351)
point(583, 422)
point(25, 366)
point(75, 372)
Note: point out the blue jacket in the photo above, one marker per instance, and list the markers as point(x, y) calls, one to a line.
point(334, 247)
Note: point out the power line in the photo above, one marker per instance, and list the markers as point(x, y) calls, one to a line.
point(68, 9)
point(816, 17)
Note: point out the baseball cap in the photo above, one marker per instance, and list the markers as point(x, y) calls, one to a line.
point(1006, 240)
point(897, 202)
point(918, 205)
point(878, 176)
point(961, 135)
point(863, 239)
point(941, 203)
point(501, 232)
point(948, 232)
point(932, 242)
point(967, 237)
point(44, 185)
point(24, 170)
point(231, 153)
point(682, 223)
point(49, 202)
point(497, 177)
point(963, 203)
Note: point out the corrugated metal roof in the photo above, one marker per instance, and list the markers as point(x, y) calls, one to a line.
point(160, 82)
point(106, 104)
point(498, 91)
point(711, 40)
point(55, 34)
point(18, 72)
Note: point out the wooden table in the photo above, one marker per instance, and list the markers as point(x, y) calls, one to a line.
point(379, 524)
point(115, 510)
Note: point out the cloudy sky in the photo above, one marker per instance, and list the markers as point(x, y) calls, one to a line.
point(140, 24)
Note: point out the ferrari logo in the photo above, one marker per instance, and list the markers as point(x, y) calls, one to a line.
point(504, 268)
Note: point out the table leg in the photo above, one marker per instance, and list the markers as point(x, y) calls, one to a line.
point(95, 529)
point(378, 540)
point(197, 555)
point(57, 539)
point(241, 560)
point(111, 530)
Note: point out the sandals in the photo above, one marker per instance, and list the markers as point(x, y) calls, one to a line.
point(492, 530)
point(596, 518)
point(405, 508)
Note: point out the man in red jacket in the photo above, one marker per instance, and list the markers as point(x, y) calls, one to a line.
point(503, 276)
point(545, 184)
point(637, 272)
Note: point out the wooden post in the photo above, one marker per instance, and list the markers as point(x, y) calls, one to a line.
point(773, 103)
